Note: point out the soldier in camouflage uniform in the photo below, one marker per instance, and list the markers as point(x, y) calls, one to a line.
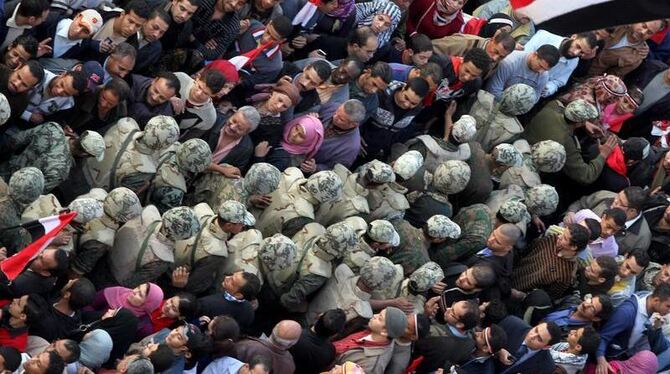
point(379, 239)
point(318, 249)
point(243, 254)
point(414, 287)
point(415, 243)
point(386, 198)
point(450, 178)
point(476, 224)
point(541, 200)
point(49, 149)
point(295, 200)
point(144, 247)
point(252, 190)
point(199, 259)
point(351, 292)
point(502, 157)
point(97, 237)
point(131, 154)
point(513, 211)
point(548, 156)
point(24, 187)
point(177, 167)
point(353, 201)
point(410, 172)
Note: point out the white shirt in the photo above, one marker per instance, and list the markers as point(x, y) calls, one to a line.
point(13, 30)
point(62, 43)
point(630, 223)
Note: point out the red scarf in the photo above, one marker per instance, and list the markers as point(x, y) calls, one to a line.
point(158, 321)
point(616, 161)
point(355, 340)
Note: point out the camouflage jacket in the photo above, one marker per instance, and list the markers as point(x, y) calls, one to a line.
point(476, 226)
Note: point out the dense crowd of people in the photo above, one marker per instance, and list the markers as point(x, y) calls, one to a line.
point(333, 186)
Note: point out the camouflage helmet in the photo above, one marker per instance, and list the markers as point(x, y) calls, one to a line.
point(235, 212)
point(160, 132)
point(378, 273)
point(451, 177)
point(441, 227)
point(5, 109)
point(513, 210)
point(548, 156)
point(93, 143)
point(425, 277)
point(580, 110)
point(325, 186)
point(517, 99)
point(122, 205)
point(464, 129)
point(382, 231)
point(520, 176)
point(194, 155)
point(339, 238)
point(26, 185)
point(180, 223)
point(408, 164)
point(379, 172)
point(261, 179)
point(542, 200)
point(277, 252)
point(507, 155)
point(87, 209)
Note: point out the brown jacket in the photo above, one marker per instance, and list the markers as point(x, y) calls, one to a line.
point(282, 360)
point(619, 61)
point(459, 44)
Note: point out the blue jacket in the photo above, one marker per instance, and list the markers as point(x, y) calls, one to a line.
point(614, 335)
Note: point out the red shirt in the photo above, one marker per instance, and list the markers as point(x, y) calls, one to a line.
point(356, 340)
point(158, 321)
point(420, 20)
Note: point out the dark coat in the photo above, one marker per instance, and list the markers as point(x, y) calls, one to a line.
point(516, 329)
point(137, 103)
point(240, 156)
point(640, 125)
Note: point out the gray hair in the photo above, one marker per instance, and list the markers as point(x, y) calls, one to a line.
point(511, 231)
point(123, 50)
point(251, 114)
point(355, 110)
point(140, 365)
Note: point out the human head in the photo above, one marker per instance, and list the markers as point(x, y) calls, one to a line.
point(183, 10)
point(411, 95)
point(633, 264)
point(233, 216)
point(362, 44)
point(579, 111)
point(548, 156)
point(135, 14)
point(611, 222)
point(113, 93)
point(181, 306)
point(497, 24)
point(121, 61)
point(285, 334)
point(464, 315)
point(284, 95)
point(25, 77)
point(503, 238)
point(121, 205)
point(330, 323)
point(376, 78)
point(156, 25)
point(602, 269)
point(595, 308)
point(71, 83)
point(26, 185)
point(44, 363)
point(164, 87)
point(349, 115)
point(382, 235)
point(189, 340)
point(542, 199)
point(22, 49)
point(161, 356)
point(390, 322)
point(313, 75)
point(134, 364)
point(324, 186)
point(28, 309)
point(572, 240)
point(660, 299)
point(545, 58)
point(451, 177)
point(377, 273)
point(242, 122)
point(476, 64)
point(50, 262)
point(32, 12)
point(439, 228)
point(512, 211)
point(500, 46)
point(261, 179)
point(11, 359)
point(349, 69)
point(79, 293)
point(229, 72)
point(639, 32)
point(85, 25)
point(476, 278)
point(630, 200)
point(225, 332)
point(491, 339)
point(277, 252)
point(517, 99)
point(663, 275)
point(635, 149)
point(67, 349)
point(179, 223)
point(578, 45)
point(242, 285)
point(206, 86)
point(277, 30)
point(585, 340)
point(543, 336)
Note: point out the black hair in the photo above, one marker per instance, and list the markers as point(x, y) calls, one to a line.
point(79, 80)
point(260, 360)
point(641, 257)
point(252, 286)
point(188, 305)
point(139, 7)
point(555, 333)
point(214, 79)
point(330, 323)
point(419, 86)
point(72, 347)
point(608, 267)
point(198, 345)
point(62, 259)
point(383, 70)
point(32, 8)
point(357, 64)
point(195, 3)
point(322, 69)
point(28, 42)
point(56, 364)
point(282, 26)
point(82, 292)
point(589, 37)
point(607, 306)
point(618, 215)
point(636, 95)
point(549, 54)
point(479, 58)
point(36, 70)
point(506, 40)
point(494, 312)
point(636, 197)
point(484, 275)
point(579, 236)
point(171, 79)
point(590, 341)
point(498, 339)
point(431, 70)
point(361, 35)
point(422, 325)
point(11, 356)
point(162, 358)
point(35, 308)
point(662, 291)
point(594, 228)
point(490, 28)
point(225, 333)
point(470, 319)
point(162, 14)
point(420, 43)
point(119, 87)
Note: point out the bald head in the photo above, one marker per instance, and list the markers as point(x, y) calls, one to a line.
point(503, 238)
point(511, 231)
point(286, 333)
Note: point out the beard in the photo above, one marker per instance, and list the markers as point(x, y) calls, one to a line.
point(564, 49)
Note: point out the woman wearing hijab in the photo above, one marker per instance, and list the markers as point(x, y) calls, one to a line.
point(382, 16)
point(140, 301)
point(95, 347)
point(641, 362)
point(338, 21)
point(301, 141)
point(435, 18)
point(270, 106)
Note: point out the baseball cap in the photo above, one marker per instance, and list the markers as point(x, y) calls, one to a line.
point(94, 74)
point(92, 19)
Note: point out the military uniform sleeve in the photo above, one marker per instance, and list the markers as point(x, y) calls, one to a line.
point(300, 290)
point(148, 273)
point(87, 256)
point(578, 170)
point(292, 226)
point(135, 182)
point(14, 239)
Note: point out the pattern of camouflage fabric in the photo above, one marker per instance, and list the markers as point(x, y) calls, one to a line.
point(542, 200)
point(517, 99)
point(378, 273)
point(93, 143)
point(325, 186)
point(441, 227)
point(194, 155)
point(160, 132)
point(451, 177)
point(87, 209)
point(382, 231)
point(234, 212)
point(520, 176)
point(506, 154)
point(425, 277)
point(579, 111)
point(513, 210)
point(379, 172)
point(408, 164)
point(5, 109)
point(339, 238)
point(548, 156)
point(277, 252)
point(26, 185)
point(122, 205)
point(262, 179)
point(180, 223)
point(464, 129)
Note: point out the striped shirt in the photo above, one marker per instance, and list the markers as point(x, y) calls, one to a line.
point(542, 268)
point(223, 31)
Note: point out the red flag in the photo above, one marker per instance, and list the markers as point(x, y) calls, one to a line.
point(306, 12)
point(52, 225)
point(248, 57)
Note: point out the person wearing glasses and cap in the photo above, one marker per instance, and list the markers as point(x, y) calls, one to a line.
point(64, 36)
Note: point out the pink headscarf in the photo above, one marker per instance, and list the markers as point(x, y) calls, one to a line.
point(313, 136)
point(641, 362)
point(118, 297)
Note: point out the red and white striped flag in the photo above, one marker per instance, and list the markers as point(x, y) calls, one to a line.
point(248, 57)
point(565, 17)
point(306, 12)
point(51, 226)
